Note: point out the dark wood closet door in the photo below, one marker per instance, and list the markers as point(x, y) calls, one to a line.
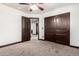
point(49, 29)
point(57, 28)
point(25, 29)
point(62, 24)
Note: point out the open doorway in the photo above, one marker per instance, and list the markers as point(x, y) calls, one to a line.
point(34, 28)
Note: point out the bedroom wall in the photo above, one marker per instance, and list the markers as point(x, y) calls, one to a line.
point(10, 24)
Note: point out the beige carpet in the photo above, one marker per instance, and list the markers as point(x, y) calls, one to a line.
point(38, 48)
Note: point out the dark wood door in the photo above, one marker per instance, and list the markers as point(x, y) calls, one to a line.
point(49, 29)
point(62, 26)
point(57, 28)
point(25, 29)
point(37, 29)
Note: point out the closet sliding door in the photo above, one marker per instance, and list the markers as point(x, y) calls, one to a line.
point(62, 26)
point(49, 29)
point(57, 28)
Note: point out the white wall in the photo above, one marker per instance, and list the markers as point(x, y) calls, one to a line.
point(10, 24)
point(74, 26)
point(74, 21)
point(41, 27)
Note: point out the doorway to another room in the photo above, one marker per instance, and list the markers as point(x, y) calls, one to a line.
point(34, 28)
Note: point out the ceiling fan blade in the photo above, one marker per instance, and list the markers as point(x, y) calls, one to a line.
point(41, 8)
point(40, 3)
point(24, 3)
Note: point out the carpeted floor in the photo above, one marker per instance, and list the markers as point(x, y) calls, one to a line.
point(38, 48)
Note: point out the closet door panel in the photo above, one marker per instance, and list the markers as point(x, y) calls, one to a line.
point(49, 29)
point(57, 28)
point(62, 28)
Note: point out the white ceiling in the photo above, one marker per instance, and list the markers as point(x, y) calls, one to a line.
point(47, 7)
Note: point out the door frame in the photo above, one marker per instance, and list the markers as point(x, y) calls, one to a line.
point(38, 24)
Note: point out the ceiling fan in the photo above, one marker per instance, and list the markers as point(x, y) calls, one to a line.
point(33, 6)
